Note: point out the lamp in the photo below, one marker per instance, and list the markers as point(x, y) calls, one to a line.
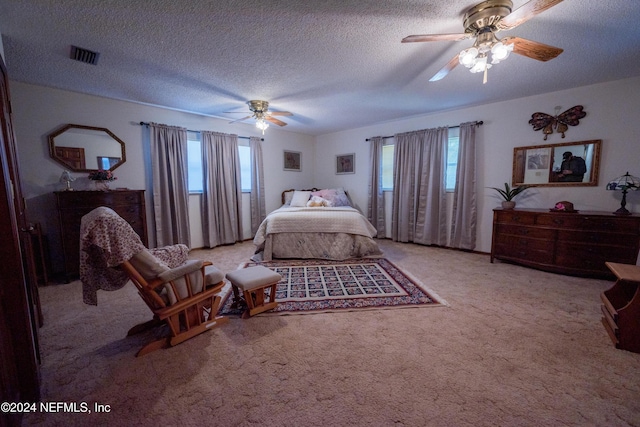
point(476, 57)
point(624, 183)
point(67, 179)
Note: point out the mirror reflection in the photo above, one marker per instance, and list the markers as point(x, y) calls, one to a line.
point(566, 164)
point(86, 148)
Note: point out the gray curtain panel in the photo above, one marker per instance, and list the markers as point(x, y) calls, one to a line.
point(222, 190)
point(463, 227)
point(258, 209)
point(375, 208)
point(170, 186)
point(419, 208)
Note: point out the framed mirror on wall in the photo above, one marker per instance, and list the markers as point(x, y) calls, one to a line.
point(565, 164)
point(86, 148)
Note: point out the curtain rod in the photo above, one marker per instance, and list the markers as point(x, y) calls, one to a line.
point(477, 123)
point(189, 130)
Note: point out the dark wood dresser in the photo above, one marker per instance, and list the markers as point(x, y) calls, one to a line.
point(576, 244)
point(73, 205)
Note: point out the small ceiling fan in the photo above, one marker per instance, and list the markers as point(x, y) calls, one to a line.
point(483, 21)
point(262, 115)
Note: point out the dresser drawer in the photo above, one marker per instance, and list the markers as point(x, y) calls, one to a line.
point(592, 257)
point(514, 217)
point(530, 250)
point(590, 222)
point(599, 238)
point(524, 231)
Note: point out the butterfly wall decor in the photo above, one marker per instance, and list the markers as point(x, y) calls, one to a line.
point(559, 122)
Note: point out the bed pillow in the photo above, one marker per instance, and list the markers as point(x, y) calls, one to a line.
point(300, 198)
point(341, 199)
point(288, 195)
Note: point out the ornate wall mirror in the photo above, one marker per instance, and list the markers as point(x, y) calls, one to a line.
point(86, 148)
point(547, 165)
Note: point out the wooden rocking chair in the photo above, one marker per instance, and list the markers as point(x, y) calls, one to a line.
point(176, 296)
point(185, 294)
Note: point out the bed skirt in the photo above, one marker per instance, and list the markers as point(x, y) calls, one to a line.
point(331, 246)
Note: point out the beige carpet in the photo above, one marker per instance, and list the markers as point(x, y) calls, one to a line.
point(515, 347)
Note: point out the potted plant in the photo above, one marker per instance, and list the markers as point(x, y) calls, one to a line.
point(101, 178)
point(509, 193)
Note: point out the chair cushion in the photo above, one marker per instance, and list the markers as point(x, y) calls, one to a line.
point(147, 265)
point(212, 276)
point(253, 277)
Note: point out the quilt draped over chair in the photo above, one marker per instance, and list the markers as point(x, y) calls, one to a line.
point(106, 241)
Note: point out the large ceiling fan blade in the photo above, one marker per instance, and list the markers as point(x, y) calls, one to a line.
point(436, 37)
point(239, 120)
point(275, 121)
point(525, 12)
point(531, 49)
point(280, 113)
point(445, 70)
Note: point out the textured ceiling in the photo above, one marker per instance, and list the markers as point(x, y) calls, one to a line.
point(335, 64)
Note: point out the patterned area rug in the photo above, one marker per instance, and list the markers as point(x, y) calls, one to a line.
point(313, 286)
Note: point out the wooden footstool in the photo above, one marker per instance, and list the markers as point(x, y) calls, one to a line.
point(253, 281)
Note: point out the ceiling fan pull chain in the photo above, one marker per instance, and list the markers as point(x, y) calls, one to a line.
point(484, 80)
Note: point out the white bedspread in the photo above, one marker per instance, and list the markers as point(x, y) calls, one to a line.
point(314, 220)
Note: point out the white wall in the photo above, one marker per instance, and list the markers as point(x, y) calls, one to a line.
point(38, 111)
point(611, 110)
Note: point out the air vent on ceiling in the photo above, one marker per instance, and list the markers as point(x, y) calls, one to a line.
point(84, 55)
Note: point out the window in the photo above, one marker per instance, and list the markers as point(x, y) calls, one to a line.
point(452, 159)
point(387, 166)
point(245, 166)
point(452, 162)
point(194, 162)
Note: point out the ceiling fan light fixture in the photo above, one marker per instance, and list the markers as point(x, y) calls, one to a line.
point(482, 22)
point(468, 57)
point(500, 52)
point(262, 124)
point(480, 64)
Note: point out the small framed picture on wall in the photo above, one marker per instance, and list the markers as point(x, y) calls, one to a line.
point(292, 161)
point(345, 163)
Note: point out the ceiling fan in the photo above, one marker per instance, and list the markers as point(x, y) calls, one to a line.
point(262, 115)
point(483, 21)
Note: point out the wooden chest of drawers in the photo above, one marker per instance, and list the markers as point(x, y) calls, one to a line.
point(73, 205)
point(569, 243)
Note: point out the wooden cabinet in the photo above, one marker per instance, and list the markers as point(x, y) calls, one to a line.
point(621, 307)
point(19, 339)
point(73, 205)
point(569, 243)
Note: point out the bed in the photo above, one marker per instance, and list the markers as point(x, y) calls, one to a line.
point(318, 224)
